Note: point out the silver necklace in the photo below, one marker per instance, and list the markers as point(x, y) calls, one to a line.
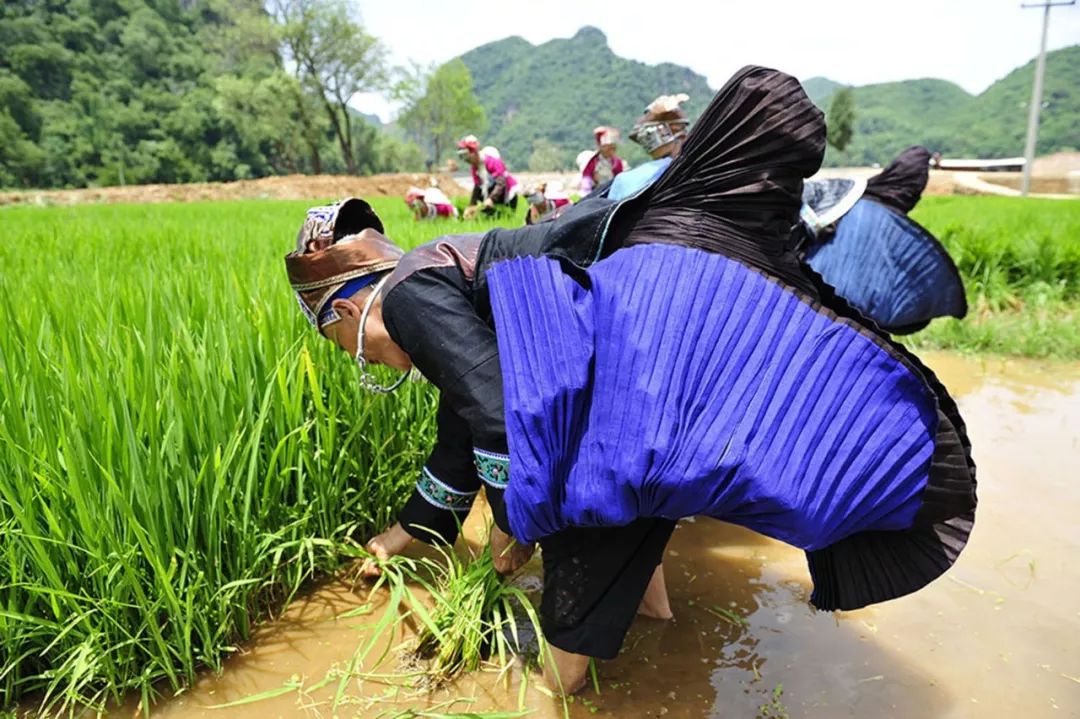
point(369, 381)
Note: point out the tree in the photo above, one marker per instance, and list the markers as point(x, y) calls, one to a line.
point(440, 107)
point(335, 58)
point(840, 120)
point(547, 156)
point(20, 159)
point(102, 92)
point(264, 122)
point(384, 153)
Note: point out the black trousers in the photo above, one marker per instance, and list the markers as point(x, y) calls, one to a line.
point(594, 579)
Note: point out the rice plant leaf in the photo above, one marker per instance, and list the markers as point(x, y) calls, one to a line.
point(261, 696)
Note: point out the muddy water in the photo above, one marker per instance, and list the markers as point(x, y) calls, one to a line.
point(999, 636)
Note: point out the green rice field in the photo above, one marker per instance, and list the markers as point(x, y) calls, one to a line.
point(1020, 261)
point(179, 453)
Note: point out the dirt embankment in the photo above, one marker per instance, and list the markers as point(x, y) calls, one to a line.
point(1051, 175)
point(1058, 164)
point(950, 182)
point(287, 187)
point(1040, 184)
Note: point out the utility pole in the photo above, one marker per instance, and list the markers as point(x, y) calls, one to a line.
point(1036, 93)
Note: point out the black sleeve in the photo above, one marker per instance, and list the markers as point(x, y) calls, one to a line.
point(447, 485)
point(477, 195)
point(430, 315)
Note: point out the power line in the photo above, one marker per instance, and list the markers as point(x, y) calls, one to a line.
point(1036, 92)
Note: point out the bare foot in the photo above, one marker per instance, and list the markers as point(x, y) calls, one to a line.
point(565, 673)
point(507, 554)
point(655, 603)
point(391, 542)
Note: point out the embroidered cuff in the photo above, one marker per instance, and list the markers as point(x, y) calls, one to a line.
point(493, 468)
point(442, 495)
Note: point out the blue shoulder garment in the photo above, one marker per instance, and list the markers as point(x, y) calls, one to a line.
point(632, 181)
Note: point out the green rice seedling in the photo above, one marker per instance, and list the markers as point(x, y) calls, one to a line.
point(470, 616)
point(1009, 245)
point(474, 617)
point(179, 453)
point(465, 617)
point(774, 708)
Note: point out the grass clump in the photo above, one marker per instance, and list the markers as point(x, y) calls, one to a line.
point(474, 618)
point(467, 615)
point(461, 615)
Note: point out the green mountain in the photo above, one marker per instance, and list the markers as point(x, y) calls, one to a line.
point(892, 116)
point(558, 91)
point(996, 122)
point(821, 89)
point(943, 116)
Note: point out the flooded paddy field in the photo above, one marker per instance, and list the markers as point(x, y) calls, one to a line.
point(998, 636)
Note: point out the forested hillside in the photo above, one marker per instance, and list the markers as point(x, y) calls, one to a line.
point(108, 92)
point(103, 92)
point(943, 116)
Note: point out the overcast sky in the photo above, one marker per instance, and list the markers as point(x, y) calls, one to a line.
point(970, 42)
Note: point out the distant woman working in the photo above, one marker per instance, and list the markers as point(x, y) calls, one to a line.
point(429, 204)
point(603, 165)
point(547, 201)
point(493, 186)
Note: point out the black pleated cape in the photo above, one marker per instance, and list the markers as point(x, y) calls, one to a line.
point(901, 184)
point(738, 180)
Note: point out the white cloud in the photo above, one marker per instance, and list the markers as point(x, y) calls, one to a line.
point(970, 42)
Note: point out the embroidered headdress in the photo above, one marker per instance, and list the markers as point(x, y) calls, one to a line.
point(340, 249)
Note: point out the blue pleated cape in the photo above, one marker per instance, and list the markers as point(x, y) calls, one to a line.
point(670, 382)
point(890, 268)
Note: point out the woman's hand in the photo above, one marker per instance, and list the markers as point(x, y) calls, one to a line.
point(506, 554)
point(391, 542)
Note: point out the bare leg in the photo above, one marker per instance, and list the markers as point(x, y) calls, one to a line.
point(565, 673)
point(655, 603)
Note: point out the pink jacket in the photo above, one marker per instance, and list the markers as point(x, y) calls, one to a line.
point(495, 168)
point(588, 175)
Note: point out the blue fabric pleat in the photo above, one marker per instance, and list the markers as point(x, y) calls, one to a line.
point(673, 382)
point(890, 268)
